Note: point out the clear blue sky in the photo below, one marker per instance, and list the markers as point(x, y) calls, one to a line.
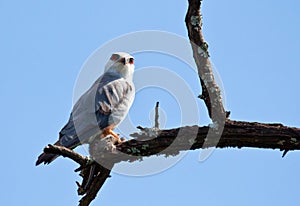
point(255, 47)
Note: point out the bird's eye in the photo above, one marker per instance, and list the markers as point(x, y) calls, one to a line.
point(114, 57)
point(131, 60)
point(123, 60)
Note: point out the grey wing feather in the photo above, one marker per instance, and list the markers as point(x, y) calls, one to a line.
point(106, 102)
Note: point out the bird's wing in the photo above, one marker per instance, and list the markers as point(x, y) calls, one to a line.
point(106, 102)
point(113, 102)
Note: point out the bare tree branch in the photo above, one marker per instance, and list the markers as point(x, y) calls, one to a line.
point(235, 134)
point(210, 91)
point(93, 174)
point(65, 152)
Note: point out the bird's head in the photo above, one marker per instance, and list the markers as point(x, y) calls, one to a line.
point(122, 63)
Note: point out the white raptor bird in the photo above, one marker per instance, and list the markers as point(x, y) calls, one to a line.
point(100, 109)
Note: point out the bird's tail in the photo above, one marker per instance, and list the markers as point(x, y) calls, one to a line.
point(47, 158)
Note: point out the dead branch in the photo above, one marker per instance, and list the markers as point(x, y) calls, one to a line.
point(93, 174)
point(97, 182)
point(236, 134)
point(66, 152)
point(211, 93)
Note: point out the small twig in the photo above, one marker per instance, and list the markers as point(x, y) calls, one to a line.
point(156, 116)
point(65, 152)
point(284, 153)
point(140, 128)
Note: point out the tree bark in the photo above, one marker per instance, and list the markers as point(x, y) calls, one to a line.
point(211, 93)
point(236, 134)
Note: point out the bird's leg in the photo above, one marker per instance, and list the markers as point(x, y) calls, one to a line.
point(109, 131)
